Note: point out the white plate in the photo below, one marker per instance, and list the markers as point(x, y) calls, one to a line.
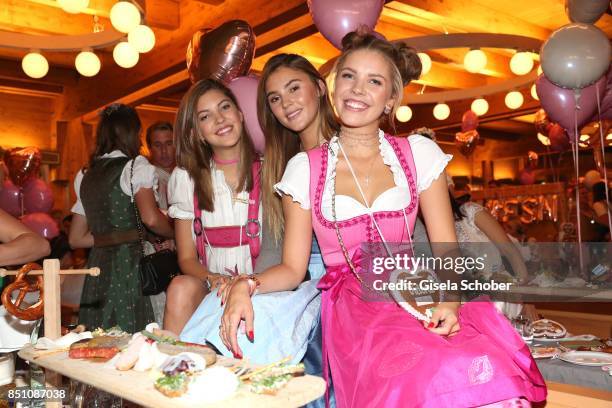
point(587, 358)
point(538, 352)
point(548, 340)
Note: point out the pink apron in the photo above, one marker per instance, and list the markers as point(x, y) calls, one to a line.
point(379, 355)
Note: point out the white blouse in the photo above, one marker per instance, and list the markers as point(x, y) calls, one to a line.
point(228, 211)
point(469, 233)
point(144, 177)
point(429, 161)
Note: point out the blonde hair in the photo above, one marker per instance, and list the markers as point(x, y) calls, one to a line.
point(282, 143)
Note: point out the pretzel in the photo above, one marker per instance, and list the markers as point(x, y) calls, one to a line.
point(33, 312)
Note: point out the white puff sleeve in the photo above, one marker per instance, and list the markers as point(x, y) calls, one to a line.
point(77, 208)
point(429, 160)
point(144, 176)
point(296, 180)
point(470, 210)
point(180, 195)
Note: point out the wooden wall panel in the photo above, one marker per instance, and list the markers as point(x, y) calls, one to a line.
point(26, 121)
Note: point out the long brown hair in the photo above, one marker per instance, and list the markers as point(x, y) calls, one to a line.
point(195, 155)
point(282, 143)
point(118, 129)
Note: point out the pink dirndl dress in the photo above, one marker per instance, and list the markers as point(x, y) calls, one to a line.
point(378, 354)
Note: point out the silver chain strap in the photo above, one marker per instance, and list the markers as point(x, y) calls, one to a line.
point(139, 226)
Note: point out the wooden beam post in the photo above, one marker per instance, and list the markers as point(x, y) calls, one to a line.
point(52, 317)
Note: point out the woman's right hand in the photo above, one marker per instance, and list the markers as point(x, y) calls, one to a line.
point(238, 308)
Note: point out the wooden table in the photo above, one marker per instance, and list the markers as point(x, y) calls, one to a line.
point(138, 386)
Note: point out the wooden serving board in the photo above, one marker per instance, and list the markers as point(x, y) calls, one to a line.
point(138, 386)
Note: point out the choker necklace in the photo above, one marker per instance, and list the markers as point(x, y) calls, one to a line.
point(354, 139)
point(224, 162)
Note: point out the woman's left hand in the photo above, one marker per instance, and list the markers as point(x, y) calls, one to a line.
point(444, 320)
point(216, 280)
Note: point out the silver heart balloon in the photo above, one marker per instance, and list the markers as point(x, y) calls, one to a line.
point(224, 53)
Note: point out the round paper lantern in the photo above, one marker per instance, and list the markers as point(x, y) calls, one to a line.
point(534, 93)
point(475, 61)
point(441, 111)
point(35, 65)
point(87, 63)
point(403, 113)
point(514, 99)
point(544, 139)
point(521, 63)
point(425, 63)
point(125, 55)
point(124, 16)
point(142, 38)
point(480, 106)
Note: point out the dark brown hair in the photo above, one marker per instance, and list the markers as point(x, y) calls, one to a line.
point(282, 143)
point(404, 61)
point(161, 125)
point(118, 129)
point(195, 156)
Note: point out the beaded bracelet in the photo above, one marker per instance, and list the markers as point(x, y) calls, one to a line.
point(252, 281)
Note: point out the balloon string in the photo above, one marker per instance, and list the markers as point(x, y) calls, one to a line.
point(603, 156)
point(21, 203)
point(576, 149)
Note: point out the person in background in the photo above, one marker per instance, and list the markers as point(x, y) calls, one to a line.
point(160, 141)
point(601, 208)
point(478, 231)
point(19, 244)
point(105, 219)
point(516, 232)
point(60, 247)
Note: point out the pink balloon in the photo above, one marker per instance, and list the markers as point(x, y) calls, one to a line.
point(245, 90)
point(560, 103)
point(42, 224)
point(606, 100)
point(469, 121)
point(9, 198)
point(559, 141)
point(337, 18)
point(37, 196)
point(527, 177)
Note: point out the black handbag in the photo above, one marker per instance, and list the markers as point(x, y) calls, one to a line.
point(158, 269)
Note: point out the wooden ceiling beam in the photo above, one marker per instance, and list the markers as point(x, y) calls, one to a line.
point(39, 90)
point(11, 69)
point(29, 17)
point(422, 115)
point(465, 15)
point(142, 94)
point(162, 14)
point(168, 56)
point(212, 2)
point(100, 8)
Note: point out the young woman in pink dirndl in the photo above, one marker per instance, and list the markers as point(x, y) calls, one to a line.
point(364, 186)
